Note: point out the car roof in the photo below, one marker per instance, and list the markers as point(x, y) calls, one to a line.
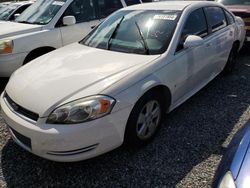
point(169, 5)
point(5, 3)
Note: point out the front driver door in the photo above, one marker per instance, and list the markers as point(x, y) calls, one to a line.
point(86, 19)
point(88, 14)
point(196, 60)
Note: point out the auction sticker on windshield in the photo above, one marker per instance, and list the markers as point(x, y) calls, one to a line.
point(58, 3)
point(165, 17)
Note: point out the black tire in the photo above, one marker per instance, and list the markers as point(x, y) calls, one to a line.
point(232, 60)
point(131, 136)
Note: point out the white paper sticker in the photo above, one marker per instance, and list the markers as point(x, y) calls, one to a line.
point(58, 3)
point(165, 17)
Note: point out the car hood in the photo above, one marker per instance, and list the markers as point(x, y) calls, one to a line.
point(243, 158)
point(53, 78)
point(239, 8)
point(9, 29)
point(236, 159)
point(244, 174)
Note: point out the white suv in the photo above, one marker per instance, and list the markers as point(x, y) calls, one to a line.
point(48, 25)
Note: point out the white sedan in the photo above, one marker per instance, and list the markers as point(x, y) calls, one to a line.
point(11, 11)
point(115, 85)
point(50, 24)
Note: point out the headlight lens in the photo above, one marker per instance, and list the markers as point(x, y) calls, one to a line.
point(227, 181)
point(82, 110)
point(6, 46)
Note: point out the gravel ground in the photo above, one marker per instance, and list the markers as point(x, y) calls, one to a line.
point(185, 153)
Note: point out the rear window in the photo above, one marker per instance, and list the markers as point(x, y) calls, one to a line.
point(216, 18)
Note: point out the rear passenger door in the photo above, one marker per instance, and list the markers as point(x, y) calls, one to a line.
point(221, 36)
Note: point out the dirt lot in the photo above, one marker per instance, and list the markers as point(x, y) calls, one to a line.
point(185, 153)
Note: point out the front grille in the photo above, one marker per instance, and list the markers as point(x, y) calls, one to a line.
point(23, 139)
point(20, 110)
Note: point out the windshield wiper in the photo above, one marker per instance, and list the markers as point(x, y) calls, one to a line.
point(143, 39)
point(114, 33)
point(26, 22)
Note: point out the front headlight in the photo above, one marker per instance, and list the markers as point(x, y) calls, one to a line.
point(227, 181)
point(6, 46)
point(82, 110)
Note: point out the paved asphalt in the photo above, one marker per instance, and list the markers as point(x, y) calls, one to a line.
point(185, 153)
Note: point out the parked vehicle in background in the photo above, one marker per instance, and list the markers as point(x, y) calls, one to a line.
point(4, 4)
point(115, 85)
point(132, 2)
point(9, 12)
point(50, 24)
point(240, 8)
point(234, 168)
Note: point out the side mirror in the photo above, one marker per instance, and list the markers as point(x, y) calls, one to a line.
point(193, 41)
point(16, 16)
point(69, 20)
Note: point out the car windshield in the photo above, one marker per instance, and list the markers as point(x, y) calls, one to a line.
point(41, 12)
point(234, 2)
point(137, 31)
point(5, 12)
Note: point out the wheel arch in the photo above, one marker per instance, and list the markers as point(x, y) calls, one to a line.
point(162, 89)
point(37, 52)
point(236, 45)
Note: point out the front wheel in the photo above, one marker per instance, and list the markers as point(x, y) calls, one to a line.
point(144, 119)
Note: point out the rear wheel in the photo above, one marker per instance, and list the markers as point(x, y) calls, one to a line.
point(232, 60)
point(145, 119)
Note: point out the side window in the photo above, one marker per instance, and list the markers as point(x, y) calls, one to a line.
point(82, 10)
point(230, 18)
point(18, 11)
point(106, 7)
point(195, 25)
point(21, 9)
point(132, 2)
point(216, 18)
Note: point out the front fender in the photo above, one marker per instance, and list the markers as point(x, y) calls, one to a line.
point(129, 96)
point(25, 43)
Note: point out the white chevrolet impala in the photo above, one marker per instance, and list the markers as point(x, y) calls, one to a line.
point(116, 84)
